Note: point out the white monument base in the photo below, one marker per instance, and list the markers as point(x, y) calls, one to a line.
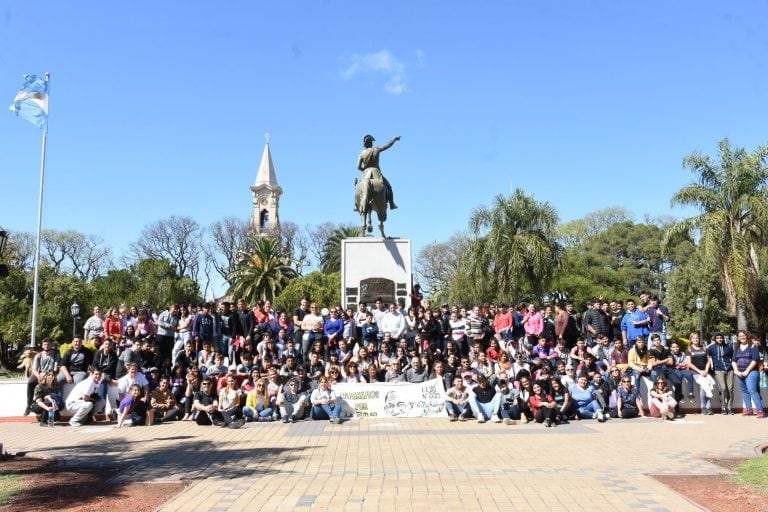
point(375, 268)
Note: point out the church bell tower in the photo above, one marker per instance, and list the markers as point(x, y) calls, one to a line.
point(265, 220)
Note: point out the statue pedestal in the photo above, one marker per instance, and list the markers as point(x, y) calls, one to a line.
point(373, 268)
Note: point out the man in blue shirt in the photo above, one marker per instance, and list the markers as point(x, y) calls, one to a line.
point(634, 324)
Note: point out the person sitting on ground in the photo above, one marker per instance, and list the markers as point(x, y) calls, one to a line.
point(257, 404)
point(562, 398)
point(485, 401)
point(628, 402)
point(543, 406)
point(509, 408)
point(206, 405)
point(229, 403)
point(192, 386)
point(47, 398)
point(324, 402)
point(81, 400)
point(585, 398)
point(132, 410)
point(292, 402)
point(663, 401)
point(163, 402)
point(457, 400)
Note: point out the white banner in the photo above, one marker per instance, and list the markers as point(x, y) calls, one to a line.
point(387, 400)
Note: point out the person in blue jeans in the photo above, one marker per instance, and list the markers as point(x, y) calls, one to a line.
point(325, 406)
point(458, 400)
point(746, 358)
point(584, 396)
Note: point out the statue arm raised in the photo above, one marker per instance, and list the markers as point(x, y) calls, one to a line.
point(390, 143)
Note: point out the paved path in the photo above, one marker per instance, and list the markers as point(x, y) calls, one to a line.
point(408, 464)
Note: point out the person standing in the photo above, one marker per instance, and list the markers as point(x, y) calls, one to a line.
point(634, 324)
point(94, 326)
point(721, 354)
point(746, 360)
point(167, 322)
point(658, 316)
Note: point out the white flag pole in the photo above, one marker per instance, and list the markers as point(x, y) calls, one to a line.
point(33, 341)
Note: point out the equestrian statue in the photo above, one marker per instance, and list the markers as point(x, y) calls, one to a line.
point(373, 192)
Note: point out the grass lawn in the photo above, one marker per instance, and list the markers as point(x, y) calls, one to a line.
point(9, 486)
point(754, 473)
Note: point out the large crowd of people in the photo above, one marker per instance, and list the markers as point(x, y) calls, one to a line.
point(227, 364)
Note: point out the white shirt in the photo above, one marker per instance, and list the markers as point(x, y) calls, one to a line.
point(393, 323)
point(84, 387)
point(125, 382)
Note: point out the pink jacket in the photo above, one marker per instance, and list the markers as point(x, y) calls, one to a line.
point(534, 325)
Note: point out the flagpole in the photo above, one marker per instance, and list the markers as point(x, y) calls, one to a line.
point(33, 342)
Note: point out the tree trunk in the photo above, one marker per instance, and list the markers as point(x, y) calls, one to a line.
point(741, 315)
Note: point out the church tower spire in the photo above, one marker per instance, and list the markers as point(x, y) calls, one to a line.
point(265, 220)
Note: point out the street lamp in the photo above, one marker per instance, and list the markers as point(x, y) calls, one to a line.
point(74, 309)
point(700, 308)
point(3, 239)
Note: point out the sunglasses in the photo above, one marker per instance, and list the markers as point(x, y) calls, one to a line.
point(627, 381)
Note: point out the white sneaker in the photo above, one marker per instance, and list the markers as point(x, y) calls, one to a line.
point(75, 424)
point(481, 420)
point(497, 419)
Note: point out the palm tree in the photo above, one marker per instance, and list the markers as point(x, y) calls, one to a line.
point(330, 261)
point(518, 250)
point(732, 197)
point(261, 271)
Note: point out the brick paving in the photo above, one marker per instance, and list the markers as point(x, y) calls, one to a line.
point(407, 464)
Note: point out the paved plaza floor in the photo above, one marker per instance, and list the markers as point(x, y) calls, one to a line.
point(407, 464)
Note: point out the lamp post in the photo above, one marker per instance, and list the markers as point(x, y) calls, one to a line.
point(74, 309)
point(700, 308)
point(3, 266)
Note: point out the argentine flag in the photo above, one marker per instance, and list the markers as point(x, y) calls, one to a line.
point(31, 103)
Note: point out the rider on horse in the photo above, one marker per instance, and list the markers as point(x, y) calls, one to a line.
point(368, 164)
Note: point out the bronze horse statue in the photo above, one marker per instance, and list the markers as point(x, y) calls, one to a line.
point(371, 196)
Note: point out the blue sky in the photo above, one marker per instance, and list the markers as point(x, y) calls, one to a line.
point(160, 109)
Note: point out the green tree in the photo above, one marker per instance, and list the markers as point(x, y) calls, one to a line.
point(516, 249)
point(152, 281)
point(732, 197)
point(261, 271)
point(330, 260)
point(438, 266)
point(621, 261)
point(578, 231)
point(698, 277)
point(322, 288)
